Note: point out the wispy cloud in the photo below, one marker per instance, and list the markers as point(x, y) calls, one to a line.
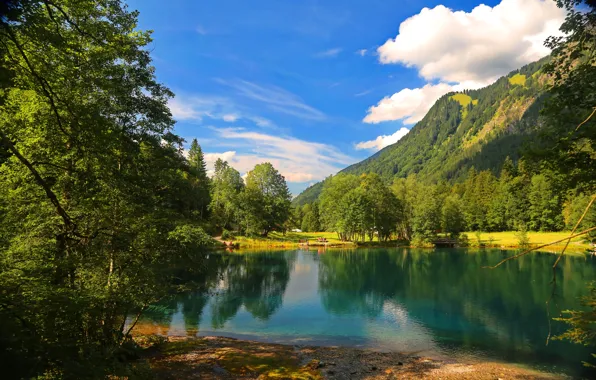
point(201, 30)
point(363, 93)
point(275, 98)
point(329, 53)
point(362, 52)
point(297, 160)
point(197, 107)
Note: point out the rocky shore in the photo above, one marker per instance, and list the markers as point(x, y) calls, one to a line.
point(226, 358)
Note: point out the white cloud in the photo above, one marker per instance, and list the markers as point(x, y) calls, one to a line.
point(464, 50)
point(408, 104)
point(275, 98)
point(197, 107)
point(457, 46)
point(361, 52)
point(330, 53)
point(230, 118)
point(297, 160)
point(382, 141)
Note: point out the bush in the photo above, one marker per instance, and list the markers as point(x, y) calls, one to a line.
point(523, 241)
point(421, 241)
point(227, 235)
point(463, 240)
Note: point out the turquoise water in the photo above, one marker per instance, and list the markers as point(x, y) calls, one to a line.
point(436, 302)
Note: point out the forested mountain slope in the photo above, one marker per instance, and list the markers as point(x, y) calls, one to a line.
point(478, 128)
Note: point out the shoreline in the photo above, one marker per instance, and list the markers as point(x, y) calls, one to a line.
point(217, 357)
point(577, 250)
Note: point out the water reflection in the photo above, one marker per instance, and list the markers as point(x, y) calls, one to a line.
point(396, 299)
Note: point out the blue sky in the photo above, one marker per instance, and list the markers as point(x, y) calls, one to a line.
point(313, 86)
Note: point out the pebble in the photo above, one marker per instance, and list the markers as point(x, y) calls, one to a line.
point(218, 370)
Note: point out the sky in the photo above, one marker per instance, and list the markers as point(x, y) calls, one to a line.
point(313, 86)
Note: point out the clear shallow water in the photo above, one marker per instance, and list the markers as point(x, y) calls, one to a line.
point(439, 302)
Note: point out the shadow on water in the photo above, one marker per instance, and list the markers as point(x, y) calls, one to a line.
point(441, 299)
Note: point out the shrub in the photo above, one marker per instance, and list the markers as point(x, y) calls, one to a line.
point(227, 235)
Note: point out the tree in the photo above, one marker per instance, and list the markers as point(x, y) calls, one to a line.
point(387, 208)
point(310, 221)
point(545, 205)
point(227, 187)
point(198, 170)
point(266, 200)
point(452, 220)
point(332, 206)
point(93, 192)
point(570, 126)
point(426, 219)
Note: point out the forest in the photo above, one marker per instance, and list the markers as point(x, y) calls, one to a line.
point(103, 212)
point(521, 198)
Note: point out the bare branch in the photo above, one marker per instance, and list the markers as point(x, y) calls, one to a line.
point(585, 121)
point(572, 232)
point(540, 246)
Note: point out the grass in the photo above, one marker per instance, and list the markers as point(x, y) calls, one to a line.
point(509, 240)
point(464, 100)
point(518, 79)
point(290, 239)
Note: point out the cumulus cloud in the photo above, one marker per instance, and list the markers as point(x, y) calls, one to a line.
point(382, 141)
point(408, 104)
point(297, 160)
point(457, 46)
point(463, 50)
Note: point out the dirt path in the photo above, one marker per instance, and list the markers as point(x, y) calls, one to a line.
point(226, 358)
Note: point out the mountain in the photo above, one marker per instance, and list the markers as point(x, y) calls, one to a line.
point(474, 128)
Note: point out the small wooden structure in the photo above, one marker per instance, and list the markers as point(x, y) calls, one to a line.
point(445, 242)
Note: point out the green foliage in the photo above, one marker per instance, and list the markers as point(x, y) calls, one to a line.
point(357, 208)
point(97, 202)
point(226, 189)
point(545, 204)
point(582, 324)
point(311, 219)
point(227, 235)
point(523, 241)
point(265, 202)
point(201, 182)
point(570, 149)
point(574, 208)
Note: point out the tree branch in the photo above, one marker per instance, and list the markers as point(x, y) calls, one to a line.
point(40, 181)
point(585, 121)
point(540, 246)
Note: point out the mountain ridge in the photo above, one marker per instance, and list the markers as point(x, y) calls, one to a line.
point(473, 128)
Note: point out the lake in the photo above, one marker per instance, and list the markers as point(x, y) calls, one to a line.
point(438, 302)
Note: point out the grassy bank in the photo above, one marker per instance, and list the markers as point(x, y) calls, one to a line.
point(291, 240)
point(508, 239)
